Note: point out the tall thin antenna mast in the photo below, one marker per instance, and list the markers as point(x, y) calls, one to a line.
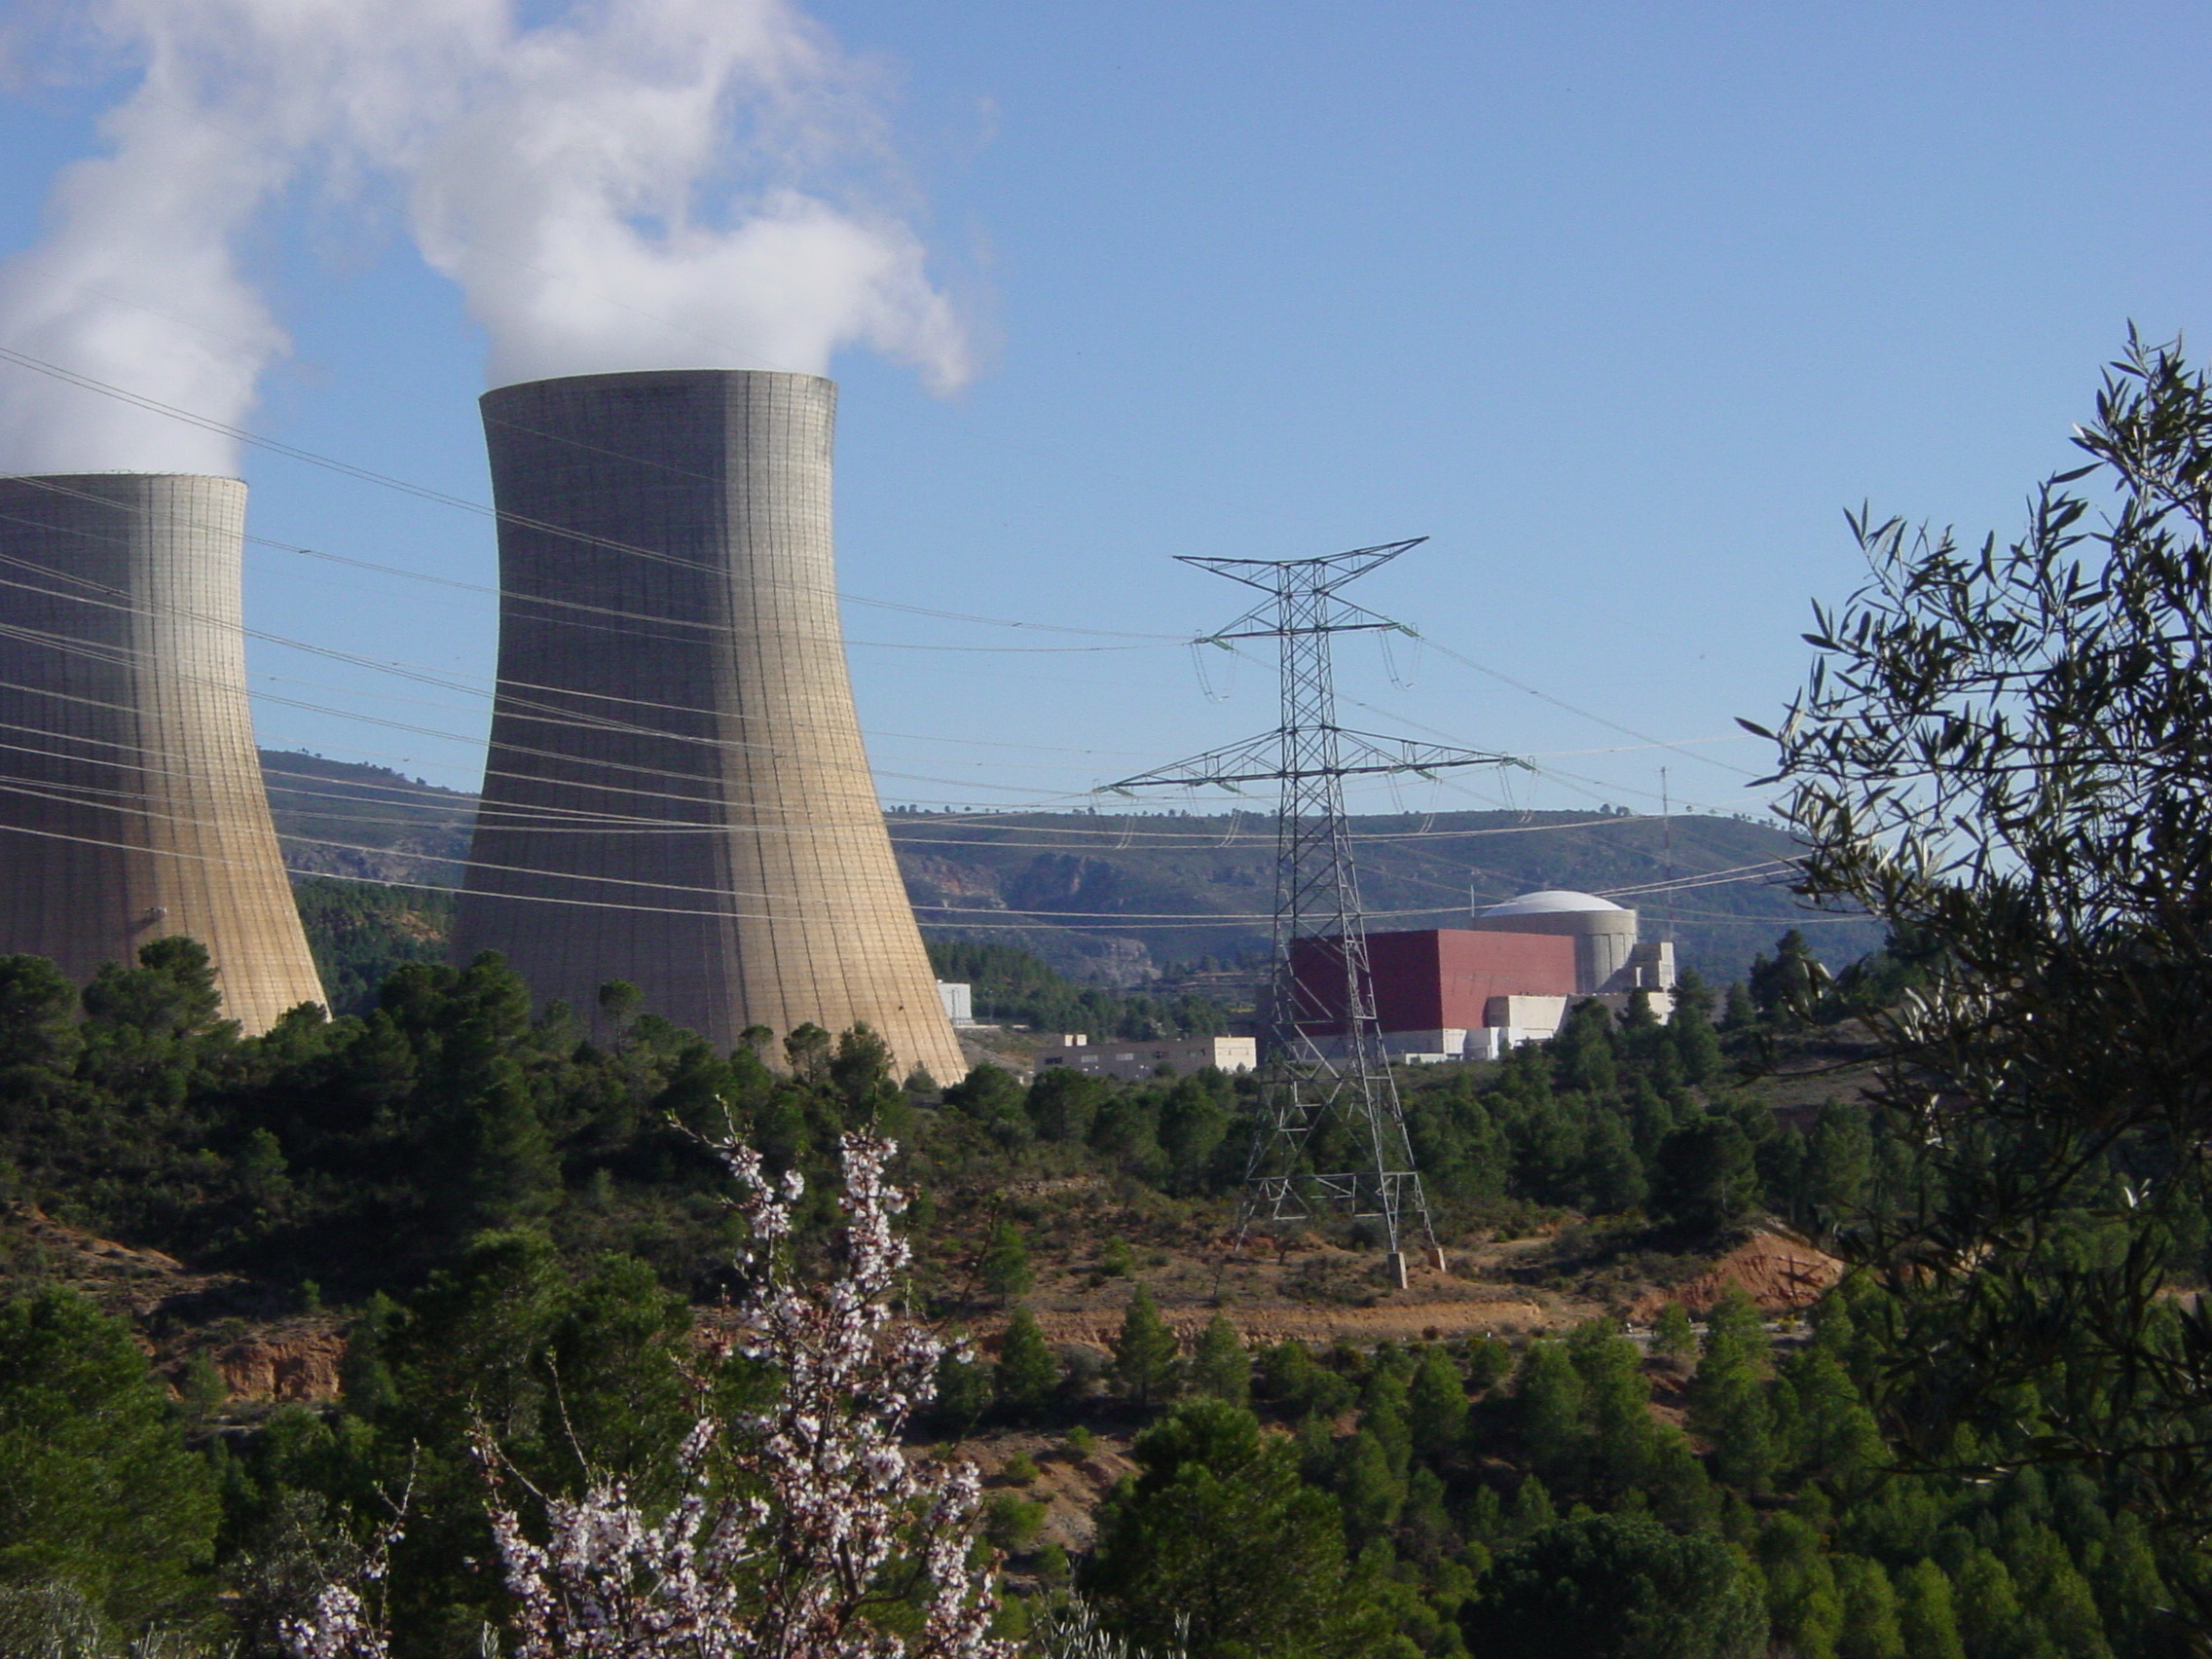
point(1667, 844)
point(1322, 1059)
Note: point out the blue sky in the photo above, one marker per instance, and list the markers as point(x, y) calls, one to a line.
point(1621, 305)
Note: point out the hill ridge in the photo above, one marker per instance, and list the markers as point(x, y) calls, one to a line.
point(1124, 898)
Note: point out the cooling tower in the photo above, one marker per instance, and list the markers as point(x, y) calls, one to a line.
point(130, 796)
point(677, 794)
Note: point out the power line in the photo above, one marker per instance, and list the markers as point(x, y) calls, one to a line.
point(1569, 708)
point(365, 474)
point(654, 622)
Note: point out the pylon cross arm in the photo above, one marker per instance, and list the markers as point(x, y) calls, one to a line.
point(1258, 760)
point(1315, 576)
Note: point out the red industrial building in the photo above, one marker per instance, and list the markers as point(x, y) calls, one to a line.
point(1507, 978)
point(1433, 980)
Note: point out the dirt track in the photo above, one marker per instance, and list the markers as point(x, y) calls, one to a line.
point(1318, 1295)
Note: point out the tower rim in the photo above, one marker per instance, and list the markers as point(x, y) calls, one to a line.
point(612, 376)
point(122, 472)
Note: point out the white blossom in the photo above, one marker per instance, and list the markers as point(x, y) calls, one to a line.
point(827, 1524)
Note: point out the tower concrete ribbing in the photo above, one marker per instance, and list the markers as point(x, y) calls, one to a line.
point(677, 794)
point(130, 797)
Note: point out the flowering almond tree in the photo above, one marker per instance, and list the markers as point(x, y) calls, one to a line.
point(829, 1542)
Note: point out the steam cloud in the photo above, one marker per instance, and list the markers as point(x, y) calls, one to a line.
point(635, 184)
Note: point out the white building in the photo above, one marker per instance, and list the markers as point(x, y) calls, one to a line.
point(1116, 1058)
point(1611, 965)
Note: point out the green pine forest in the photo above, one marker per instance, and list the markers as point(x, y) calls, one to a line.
point(512, 1224)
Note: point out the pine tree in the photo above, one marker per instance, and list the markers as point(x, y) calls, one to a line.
point(1927, 1618)
point(1992, 1623)
point(1436, 1407)
point(1485, 1516)
point(807, 1051)
point(1489, 1360)
point(1532, 1510)
point(510, 1172)
point(1598, 1585)
point(1835, 1436)
point(1218, 1547)
point(1219, 1365)
point(1618, 1402)
point(2057, 1596)
point(1370, 1489)
point(1612, 1175)
point(1062, 1103)
point(1742, 1012)
point(99, 1492)
point(1382, 1410)
point(993, 1097)
point(1003, 1267)
point(1870, 1629)
point(1696, 1045)
point(962, 1389)
point(1144, 1354)
point(860, 1070)
point(1425, 1521)
point(1801, 1594)
point(1729, 1409)
point(621, 1001)
point(1026, 1373)
point(1840, 1163)
point(1672, 1335)
point(170, 993)
point(1552, 1404)
point(1194, 1120)
point(1784, 986)
point(39, 1037)
point(1583, 1053)
point(1735, 1333)
point(1705, 1176)
point(1679, 1491)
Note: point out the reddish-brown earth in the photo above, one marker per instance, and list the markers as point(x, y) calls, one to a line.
point(1781, 1275)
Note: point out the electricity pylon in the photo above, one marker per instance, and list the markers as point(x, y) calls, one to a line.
point(1322, 1058)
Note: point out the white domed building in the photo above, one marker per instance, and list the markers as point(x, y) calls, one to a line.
point(1610, 962)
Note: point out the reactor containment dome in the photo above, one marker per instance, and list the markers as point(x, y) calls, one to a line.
point(1604, 933)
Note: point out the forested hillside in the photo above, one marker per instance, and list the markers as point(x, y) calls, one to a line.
point(342, 818)
point(514, 1232)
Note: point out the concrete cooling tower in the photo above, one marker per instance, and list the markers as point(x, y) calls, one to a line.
point(677, 794)
point(130, 796)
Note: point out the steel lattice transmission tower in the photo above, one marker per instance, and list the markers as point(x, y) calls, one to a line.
point(1322, 1057)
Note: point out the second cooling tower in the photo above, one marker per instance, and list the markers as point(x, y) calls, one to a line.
point(677, 794)
point(130, 795)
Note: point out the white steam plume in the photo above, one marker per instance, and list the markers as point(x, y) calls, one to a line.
point(569, 201)
point(635, 184)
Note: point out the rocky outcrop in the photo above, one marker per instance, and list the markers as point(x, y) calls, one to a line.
point(297, 1363)
point(263, 1356)
point(1780, 1275)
